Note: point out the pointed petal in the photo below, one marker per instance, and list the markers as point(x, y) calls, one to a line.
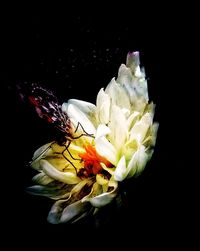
point(118, 95)
point(103, 107)
point(133, 80)
point(42, 179)
point(104, 198)
point(101, 180)
point(56, 211)
point(41, 152)
point(154, 130)
point(40, 190)
point(74, 210)
point(133, 60)
point(71, 208)
point(120, 171)
point(132, 119)
point(141, 127)
point(125, 79)
point(85, 214)
point(102, 130)
point(142, 158)
point(76, 115)
point(106, 149)
point(138, 162)
point(49, 187)
point(118, 127)
point(130, 148)
point(110, 170)
point(65, 177)
point(87, 108)
point(49, 192)
point(132, 166)
point(77, 188)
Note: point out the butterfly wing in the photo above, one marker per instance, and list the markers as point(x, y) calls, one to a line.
point(47, 106)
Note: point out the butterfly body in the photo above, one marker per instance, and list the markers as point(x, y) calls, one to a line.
point(48, 108)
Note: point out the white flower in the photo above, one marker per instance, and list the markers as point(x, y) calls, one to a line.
point(123, 120)
point(85, 174)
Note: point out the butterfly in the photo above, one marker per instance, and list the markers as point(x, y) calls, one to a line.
point(48, 108)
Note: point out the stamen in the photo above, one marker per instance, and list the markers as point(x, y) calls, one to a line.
point(92, 160)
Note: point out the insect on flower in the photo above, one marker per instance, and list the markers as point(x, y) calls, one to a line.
point(48, 108)
point(100, 145)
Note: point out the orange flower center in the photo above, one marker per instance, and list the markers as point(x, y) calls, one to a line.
point(92, 160)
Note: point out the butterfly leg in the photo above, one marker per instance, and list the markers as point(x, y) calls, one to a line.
point(67, 149)
point(70, 162)
point(83, 134)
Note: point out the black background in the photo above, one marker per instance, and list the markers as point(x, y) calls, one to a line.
point(75, 54)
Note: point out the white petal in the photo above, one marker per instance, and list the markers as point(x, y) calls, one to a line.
point(142, 159)
point(41, 152)
point(65, 177)
point(77, 188)
point(150, 139)
point(118, 127)
point(50, 192)
point(134, 83)
point(150, 108)
point(133, 60)
point(74, 210)
point(132, 166)
point(87, 108)
point(64, 210)
point(106, 149)
point(56, 211)
point(141, 127)
point(76, 115)
point(120, 171)
point(102, 130)
point(154, 133)
point(104, 198)
point(101, 180)
point(42, 179)
point(118, 94)
point(103, 107)
point(132, 119)
point(138, 72)
point(110, 170)
point(138, 162)
point(124, 75)
point(40, 190)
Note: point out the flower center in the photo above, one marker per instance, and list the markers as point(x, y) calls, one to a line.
point(92, 160)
